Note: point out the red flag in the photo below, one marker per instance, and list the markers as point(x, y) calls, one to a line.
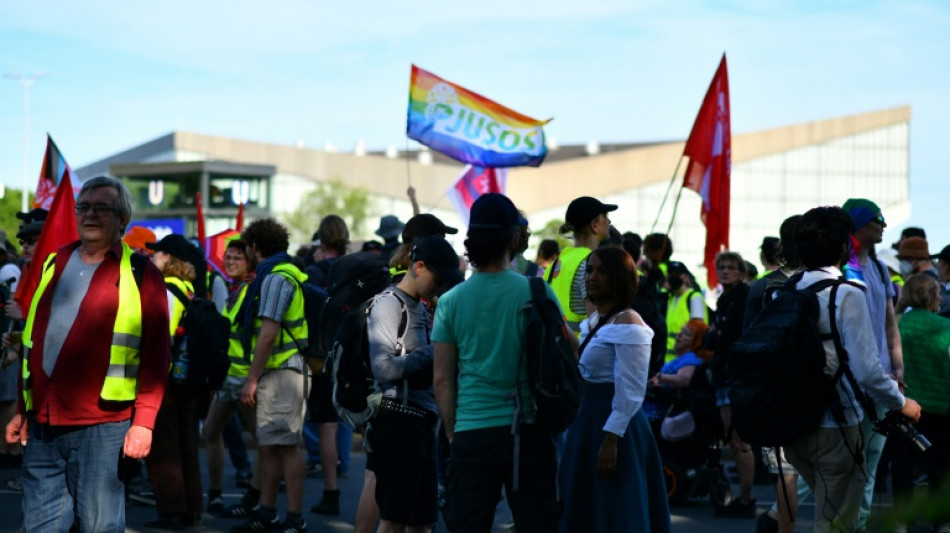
point(709, 152)
point(201, 218)
point(58, 231)
point(239, 225)
point(55, 170)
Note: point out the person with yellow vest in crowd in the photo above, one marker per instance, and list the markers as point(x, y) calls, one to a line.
point(274, 329)
point(586, 220)
point(173, 466)
point(238, 267)
point(95, 360)
point(685, 302)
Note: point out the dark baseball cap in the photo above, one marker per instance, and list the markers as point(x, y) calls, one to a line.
point(944, 254)
point(29, 230)
point(425, 224)
point(583, 210)
point(177, 246)
point(494, 211)
point(439, 256)
point(37, 214)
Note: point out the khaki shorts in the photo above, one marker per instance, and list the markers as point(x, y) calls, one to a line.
point(281, 406)
point(230, 390)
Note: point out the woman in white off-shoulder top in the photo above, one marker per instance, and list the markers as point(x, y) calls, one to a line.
point(611, 472)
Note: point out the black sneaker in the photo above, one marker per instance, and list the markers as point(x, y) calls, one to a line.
point(242, 509)
point(216, 505)
point(256, 524)
point(145, 497)
point(287, 527)
point(737, 509)
point(766, 524)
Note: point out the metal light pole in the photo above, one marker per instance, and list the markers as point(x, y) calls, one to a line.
point(26, 81)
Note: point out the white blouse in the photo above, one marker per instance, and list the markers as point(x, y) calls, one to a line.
point(618, 354)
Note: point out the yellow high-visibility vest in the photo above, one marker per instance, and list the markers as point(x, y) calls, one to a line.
point(121, 381)
point(294, 323)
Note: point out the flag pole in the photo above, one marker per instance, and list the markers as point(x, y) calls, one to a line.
point(665, 196)
point(673, 217)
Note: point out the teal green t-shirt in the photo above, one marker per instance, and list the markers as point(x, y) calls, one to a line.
point(483, 318)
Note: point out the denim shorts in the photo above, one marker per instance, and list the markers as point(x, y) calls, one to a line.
point(230, 390)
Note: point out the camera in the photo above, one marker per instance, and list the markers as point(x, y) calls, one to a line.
point(895, 423)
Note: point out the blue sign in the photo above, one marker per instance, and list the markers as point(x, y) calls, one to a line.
point(162, 226)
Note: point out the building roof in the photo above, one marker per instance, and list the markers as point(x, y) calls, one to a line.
point(567, 172)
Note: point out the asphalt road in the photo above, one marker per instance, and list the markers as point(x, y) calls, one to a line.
point(695, 516)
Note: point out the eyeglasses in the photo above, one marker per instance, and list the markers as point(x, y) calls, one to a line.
point(99, 209)
point(879, 219)
point(30, 241)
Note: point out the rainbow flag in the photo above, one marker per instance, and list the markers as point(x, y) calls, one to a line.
point(469, 127)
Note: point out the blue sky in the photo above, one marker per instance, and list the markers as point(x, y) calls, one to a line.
point(337, 72)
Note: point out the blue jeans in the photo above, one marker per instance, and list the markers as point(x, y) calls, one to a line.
point(344, 442)
point(74, 471)
point(233, 437)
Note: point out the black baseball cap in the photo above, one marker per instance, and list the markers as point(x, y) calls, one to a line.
point(439, 256)
point(583, 210)
point(494, 211)
point(425, 224)
point(177, 246)
point(37, 214)
point(30, 229)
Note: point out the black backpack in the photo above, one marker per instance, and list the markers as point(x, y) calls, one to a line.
point(353, 279)
point(314, 298)
point(208, 338)
point(780, 391)
point(553, 377)
point(355, 393)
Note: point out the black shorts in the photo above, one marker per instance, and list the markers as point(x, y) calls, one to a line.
point(403, 458)
point(320, 402)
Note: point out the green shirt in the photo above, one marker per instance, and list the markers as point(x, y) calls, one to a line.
point(483, 318)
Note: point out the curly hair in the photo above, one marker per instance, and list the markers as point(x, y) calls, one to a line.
point(177, 268)
point(267, 235)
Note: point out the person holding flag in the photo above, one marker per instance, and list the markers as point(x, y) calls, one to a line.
point(89, 398)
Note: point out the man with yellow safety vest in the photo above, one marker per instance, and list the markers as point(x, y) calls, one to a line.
point(96, 357)
point(586, 219)
point(275, 333)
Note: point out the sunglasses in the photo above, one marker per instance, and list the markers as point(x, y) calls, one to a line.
point(879, 219)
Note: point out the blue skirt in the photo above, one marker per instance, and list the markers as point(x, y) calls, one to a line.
point(633, 499)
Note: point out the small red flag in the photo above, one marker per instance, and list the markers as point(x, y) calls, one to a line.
point(709, 152)
point(201, 217)
point(58, 231)
point(239, 225)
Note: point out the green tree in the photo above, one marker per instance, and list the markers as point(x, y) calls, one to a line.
point(331, 198)
point(9, 207)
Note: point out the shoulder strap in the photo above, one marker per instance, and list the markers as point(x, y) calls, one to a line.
point(138, 267)
point(553, 267)
point(177, 293)
point(844, 368)
point(600, 323)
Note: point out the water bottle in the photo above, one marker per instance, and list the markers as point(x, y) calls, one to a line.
point(180, 366)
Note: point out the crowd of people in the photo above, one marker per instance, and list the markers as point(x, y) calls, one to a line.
point(93, 381)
